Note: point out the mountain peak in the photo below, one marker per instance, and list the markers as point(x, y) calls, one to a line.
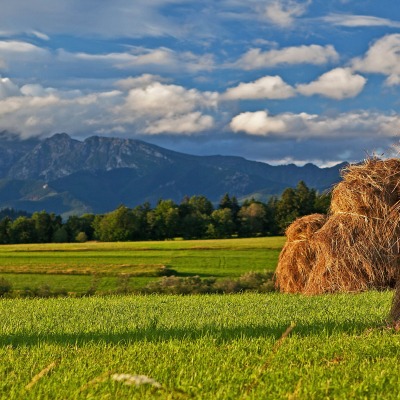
point(99, 173)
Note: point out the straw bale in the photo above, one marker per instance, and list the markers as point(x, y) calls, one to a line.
point(357, 246)
point(353, 253)
point(297, 256)
point(371, 188)
point(304, 227)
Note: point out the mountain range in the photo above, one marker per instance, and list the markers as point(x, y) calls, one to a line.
point(68, 176)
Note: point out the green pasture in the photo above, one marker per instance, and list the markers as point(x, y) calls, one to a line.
point(199, 347)
point(72, 266)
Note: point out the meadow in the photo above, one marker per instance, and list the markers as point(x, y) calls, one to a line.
point(199, 347)
point(73, 266)
point(242, 346)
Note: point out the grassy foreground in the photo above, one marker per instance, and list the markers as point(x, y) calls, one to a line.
point(200, 347)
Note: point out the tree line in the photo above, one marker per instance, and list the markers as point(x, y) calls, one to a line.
point(194, 218)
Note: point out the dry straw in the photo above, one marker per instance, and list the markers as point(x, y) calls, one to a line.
point(356, 248)
point(298, 256)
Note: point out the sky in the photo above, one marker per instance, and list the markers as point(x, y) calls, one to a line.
point(278, 81)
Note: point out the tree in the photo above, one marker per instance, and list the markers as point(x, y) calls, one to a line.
point(232, 204)
point(116, 226)
point(253, 219)
point(22, 230)
point(322, 203)
point(195, 217)
point(60, 235)
point(163, 221)
point(5, 224)
point(222, 220)
point(305, 199)
point(286, 209)
point(76, 224)
point(45, 225)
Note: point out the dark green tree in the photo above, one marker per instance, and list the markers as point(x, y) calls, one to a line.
point(5, 224)
point(163, 220)
point(22, 230)
point(222, 221)
point(45, 225)
point(195, 217)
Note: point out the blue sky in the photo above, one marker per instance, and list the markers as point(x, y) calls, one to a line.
point(271, 80)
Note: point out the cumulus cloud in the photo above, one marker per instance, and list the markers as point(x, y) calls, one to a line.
point(147, 106)
point(304, 125)
point(268, 87)
point(284, 12)
point(165, 106)
point(257, 123)
point(139, 81)
point(313, 54)
point(182, 124)
point(354, 21)
point(383, 57)
point(338, 84)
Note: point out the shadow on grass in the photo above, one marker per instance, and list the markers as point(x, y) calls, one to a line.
point(160, 334)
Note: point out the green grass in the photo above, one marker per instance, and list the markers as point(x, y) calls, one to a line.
point(217, 258)
point(200, 347)
point(71, 283)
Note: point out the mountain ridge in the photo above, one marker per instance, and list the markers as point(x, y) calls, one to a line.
point(69, 176)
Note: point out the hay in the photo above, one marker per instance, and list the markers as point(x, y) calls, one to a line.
point(371, 189)
point(353, 253)
point(297, 256)
point(304, 227)
point(357, 246)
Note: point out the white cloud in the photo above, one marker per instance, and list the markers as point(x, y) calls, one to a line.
point(313, 54)
point(303, 125)
point(160, 59)
point(283, 13)
point(36, 90)
point(161, 99)
point(163, 107)
point(17, 47)
point(268, 87)
point(393, 80)
point(354, 21)
point(383, 57)
point(8, 88)
point(119, 18)
point(139, 81)
point(40, 35)
point(338, 84)
point(152, 108)
point(182, 124)
point(257, 123)
point(15, 54)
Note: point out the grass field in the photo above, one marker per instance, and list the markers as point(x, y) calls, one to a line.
point(186, 347)
point(70, 266)
point(199, 347)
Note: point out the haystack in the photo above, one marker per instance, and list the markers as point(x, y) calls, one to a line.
point(298, 256)
point(352, 253)
point(357, 246)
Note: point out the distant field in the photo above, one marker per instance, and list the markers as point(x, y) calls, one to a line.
point(199, 347)
point(72, 266)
